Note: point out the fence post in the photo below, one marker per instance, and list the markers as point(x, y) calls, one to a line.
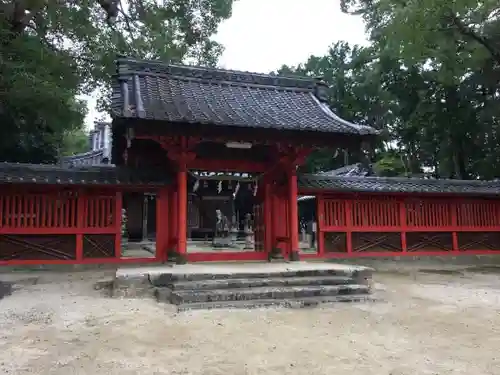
point(80, 222)
point(118, 224)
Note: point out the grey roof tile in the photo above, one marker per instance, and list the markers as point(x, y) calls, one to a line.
point(187, 94)
point(92, 175)
point(357, 169)
point(397, 185)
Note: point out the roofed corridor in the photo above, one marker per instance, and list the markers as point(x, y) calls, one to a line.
point(201, 164)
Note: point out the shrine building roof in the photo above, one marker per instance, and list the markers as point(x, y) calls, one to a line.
point(181, 94)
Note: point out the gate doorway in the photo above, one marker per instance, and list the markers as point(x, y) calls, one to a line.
point(225, 217)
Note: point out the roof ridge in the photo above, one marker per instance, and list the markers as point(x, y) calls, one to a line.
point(398, 179)
point(130, 66)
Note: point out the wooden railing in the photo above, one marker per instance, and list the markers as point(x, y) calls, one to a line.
point(368, 225)
point(59, 226)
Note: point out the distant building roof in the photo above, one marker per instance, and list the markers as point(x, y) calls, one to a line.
point(357, 169)
point(197, 95)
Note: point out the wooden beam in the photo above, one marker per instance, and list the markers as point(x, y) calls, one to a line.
point(213, 165)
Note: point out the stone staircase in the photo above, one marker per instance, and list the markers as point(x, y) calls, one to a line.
point(290, 288)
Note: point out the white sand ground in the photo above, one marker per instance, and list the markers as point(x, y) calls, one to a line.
point(424, 324)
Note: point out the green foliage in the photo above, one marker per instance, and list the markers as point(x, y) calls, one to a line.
point(429, 79)
point(390, 166)
point(53, 50)
point(74, 142)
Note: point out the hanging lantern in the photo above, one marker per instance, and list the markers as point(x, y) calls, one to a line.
point(255, 188)
point(219, 187)
point(205, 184)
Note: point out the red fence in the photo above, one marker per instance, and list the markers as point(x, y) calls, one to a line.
point(59, 226)
point(375, 225)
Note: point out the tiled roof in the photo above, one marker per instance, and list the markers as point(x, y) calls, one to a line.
point(111, 175)
point(398, 185)
point(357, 169)
point(93, 175)
point(87, 158)
point(197, 95)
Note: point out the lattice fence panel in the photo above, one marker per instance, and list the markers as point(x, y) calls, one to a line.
point(376, 242)
point(99, 245)
point(334, 213)
point(376, 212)
point(478, 214)
point(37, 247)
point(427, 213)
point(478, 241)
point(429, 241)
point(335, 242)
point(51, 210)
point(99, 212)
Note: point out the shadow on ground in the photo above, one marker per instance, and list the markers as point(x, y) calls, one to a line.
point(5, 289)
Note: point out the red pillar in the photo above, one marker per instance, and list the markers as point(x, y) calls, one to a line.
point(118, 224)
point(80, 222)
point(172, 242)
point(293, 215)
point(162, 224)
point(182, 210)
point(268, 218)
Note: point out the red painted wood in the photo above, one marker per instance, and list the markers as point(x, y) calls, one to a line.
point(80, 226)
point(182, 210)
point(320, 204)
point(403, 224)
point(162, 224)
point(227, 256)
point(173, 219)
point(349, 223)
point(227, 165)
point(33, 262)
point(389, 254)
point(116, 216)
point(293, 214)
point(268, 217)
point(454, 221)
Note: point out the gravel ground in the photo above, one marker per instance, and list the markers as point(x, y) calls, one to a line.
point(425, 323)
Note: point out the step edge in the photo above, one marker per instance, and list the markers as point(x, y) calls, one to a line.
point(276, 288)
point(242, 280)
point(263, 303)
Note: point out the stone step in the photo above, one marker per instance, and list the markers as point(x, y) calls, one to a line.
point(167, 278)
point(259, 293)
point(253, 283)
point(266, 303)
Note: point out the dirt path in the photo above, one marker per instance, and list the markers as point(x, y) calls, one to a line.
point(436, 324)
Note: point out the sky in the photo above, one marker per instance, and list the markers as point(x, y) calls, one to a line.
point(262, 35)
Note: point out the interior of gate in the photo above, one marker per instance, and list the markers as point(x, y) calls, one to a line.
point(383, 225)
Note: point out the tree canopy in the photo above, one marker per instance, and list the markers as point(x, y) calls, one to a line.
point(429, 78)
point(51, 51)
